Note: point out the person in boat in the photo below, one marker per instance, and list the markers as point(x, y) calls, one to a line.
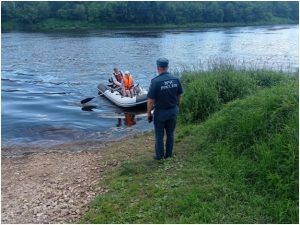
point(117, 78)
point(128, 85)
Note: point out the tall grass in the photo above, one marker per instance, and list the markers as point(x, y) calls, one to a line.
point(254, 143)
point(207, 91)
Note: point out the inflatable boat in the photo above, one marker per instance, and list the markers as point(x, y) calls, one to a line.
point(117, 98)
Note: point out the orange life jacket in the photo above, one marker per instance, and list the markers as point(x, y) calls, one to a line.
point(128, 82)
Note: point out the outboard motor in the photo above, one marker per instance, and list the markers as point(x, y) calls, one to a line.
point(137, 89)
point(110, 80)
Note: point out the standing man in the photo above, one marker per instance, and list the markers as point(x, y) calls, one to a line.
point(164, 96)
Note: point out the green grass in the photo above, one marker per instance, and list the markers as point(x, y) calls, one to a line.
point(208, 91)
point(238, 166)
point(258, 138)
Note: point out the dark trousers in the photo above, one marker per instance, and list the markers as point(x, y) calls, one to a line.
point(160, 126)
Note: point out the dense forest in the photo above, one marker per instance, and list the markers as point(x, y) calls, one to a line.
point(150, 12)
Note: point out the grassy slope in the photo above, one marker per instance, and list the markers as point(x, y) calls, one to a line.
point(240, 166)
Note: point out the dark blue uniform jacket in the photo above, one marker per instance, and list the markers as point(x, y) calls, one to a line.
point(164, 89)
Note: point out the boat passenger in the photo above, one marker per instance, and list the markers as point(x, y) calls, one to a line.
point(128, 85)
point(117, 78)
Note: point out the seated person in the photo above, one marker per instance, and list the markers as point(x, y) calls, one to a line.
point(117, 78)
point(128, 85)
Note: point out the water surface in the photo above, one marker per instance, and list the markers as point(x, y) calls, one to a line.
point(44, 76)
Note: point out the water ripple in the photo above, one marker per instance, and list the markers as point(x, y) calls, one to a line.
point(45, 76)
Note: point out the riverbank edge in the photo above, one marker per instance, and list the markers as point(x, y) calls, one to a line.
point(54, 25)
point(38, 173)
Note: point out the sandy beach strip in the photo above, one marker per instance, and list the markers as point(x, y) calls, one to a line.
point(57, 186)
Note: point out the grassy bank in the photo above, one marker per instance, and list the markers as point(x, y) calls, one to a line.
point(78, 25)
point(236, 158)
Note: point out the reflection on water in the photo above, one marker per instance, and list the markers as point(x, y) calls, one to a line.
point(129, 119)
point(88, 108)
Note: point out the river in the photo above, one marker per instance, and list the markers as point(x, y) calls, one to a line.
point(44, 76)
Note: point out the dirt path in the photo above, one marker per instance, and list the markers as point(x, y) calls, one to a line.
point(49, 188)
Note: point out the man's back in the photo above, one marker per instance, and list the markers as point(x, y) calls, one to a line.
point(165, 89)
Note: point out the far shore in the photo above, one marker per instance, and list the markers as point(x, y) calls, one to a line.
point(57, 185)
point(79, 26)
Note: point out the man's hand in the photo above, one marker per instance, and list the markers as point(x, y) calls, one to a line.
point(150, 118)
point(150, 106)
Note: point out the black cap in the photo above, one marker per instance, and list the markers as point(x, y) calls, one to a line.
point(162, 62)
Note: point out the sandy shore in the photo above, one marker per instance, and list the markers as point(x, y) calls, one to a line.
point(57, 186)
point(53, 187)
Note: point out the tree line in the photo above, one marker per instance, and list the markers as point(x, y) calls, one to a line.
point(150, 12)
